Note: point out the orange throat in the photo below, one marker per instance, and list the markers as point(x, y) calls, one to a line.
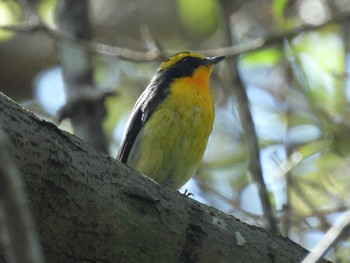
point(199, 79)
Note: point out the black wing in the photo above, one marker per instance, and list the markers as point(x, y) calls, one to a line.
point(153, 95)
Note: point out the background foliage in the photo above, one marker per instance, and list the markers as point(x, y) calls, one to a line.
point(297, 87)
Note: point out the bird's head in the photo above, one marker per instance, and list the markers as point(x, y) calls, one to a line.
point(189, 69)
point(188, 62)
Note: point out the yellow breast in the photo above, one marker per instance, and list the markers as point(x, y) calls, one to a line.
point(172, 142)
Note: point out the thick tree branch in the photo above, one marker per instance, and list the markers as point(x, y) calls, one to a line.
point(23, 245)
point(88, 206)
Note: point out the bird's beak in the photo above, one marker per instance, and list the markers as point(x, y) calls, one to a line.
point(213, 60)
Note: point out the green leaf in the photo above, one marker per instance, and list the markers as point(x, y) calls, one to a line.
point(199, 17)
point(320, 68)
point(320, 182)
point(9, 15)
point(47, 11)
point(278, 8)
point(266, 57)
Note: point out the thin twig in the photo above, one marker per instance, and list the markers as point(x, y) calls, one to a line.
point(321, 212)
point(153, 55)
point(288, 211)
point(151, 41)
point(307, 200)
point(262, 42)
point(249, 130)
point(233, 203)
point(36, 24)
point(329, 239)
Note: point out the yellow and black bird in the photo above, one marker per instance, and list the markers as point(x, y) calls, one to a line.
point(170, 124)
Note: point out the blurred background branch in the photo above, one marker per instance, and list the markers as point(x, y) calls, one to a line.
point(245, 115)
point(332, 235)
point(155, 53)
point(85, 103)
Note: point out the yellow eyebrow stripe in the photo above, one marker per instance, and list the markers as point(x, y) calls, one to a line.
point(177, 57)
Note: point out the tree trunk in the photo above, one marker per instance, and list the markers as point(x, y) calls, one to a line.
point(85, 102)
point(90, 208)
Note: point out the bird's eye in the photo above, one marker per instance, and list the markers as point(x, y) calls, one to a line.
point(186, 59)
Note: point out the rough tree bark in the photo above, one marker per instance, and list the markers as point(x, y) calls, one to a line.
point(90, 208)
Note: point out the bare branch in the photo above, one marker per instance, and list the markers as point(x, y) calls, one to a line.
point(329, 239)
point(249, 130)
point(151, 40)
point(263, 42)
point(153, 55)
point(98, 48)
